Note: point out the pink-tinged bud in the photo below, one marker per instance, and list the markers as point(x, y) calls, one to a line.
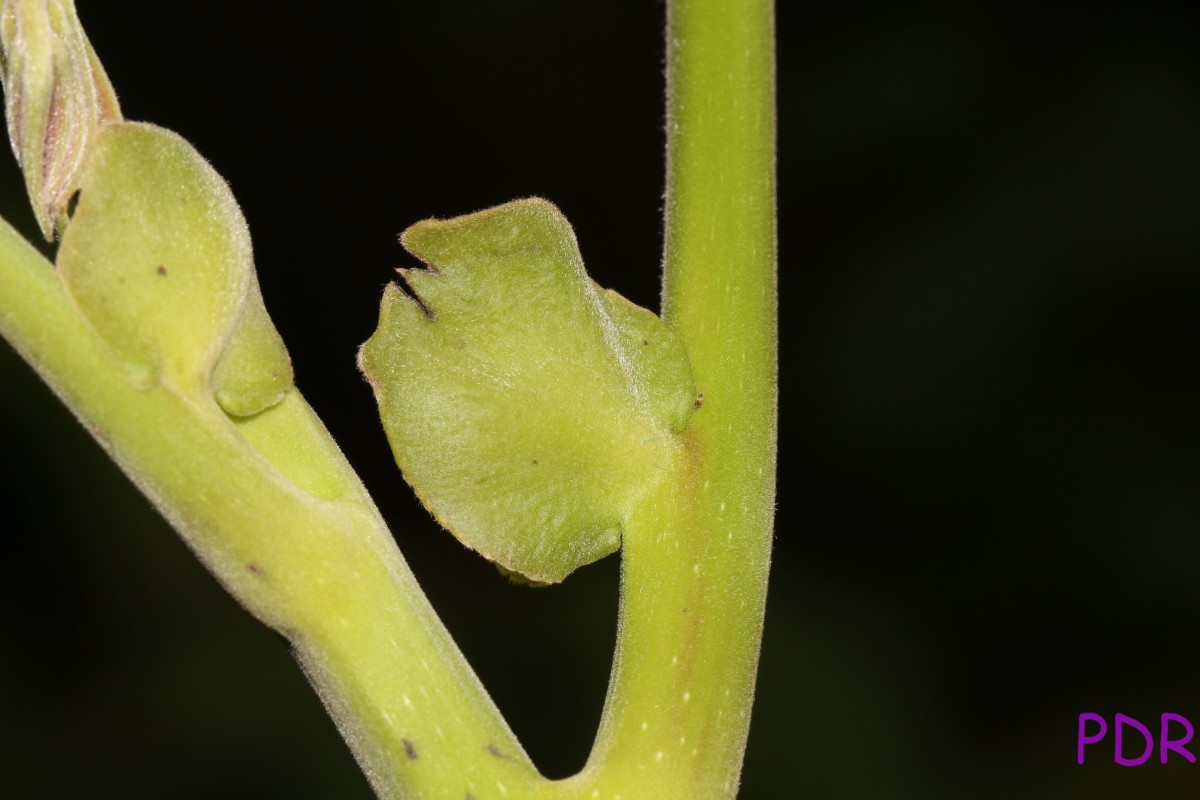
point(56, 99)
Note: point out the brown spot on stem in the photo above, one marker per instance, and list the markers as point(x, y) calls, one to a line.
point(699, 400)
point(470, 796)
point(255, 569)
point(410, 750)
point(161, 270)
point(497, 752)
point(645, 343)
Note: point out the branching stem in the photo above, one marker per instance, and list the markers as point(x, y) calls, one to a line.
point(272, 508)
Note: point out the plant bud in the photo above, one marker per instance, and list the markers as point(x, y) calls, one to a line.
point(57, 98)
point(157, 257)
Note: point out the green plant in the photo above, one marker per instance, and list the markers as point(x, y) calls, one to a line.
point(153, 331)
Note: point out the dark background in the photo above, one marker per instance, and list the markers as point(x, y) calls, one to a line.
point(989, 457)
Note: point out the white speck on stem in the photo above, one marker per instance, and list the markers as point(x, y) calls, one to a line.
point(674, 660)
point(407, 702)
point(500, 786)
point(687, 696)
point(645, 725)
point(658, 756)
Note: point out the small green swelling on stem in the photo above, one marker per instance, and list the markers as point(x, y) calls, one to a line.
point(546, 422)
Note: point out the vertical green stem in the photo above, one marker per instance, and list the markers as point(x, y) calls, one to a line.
point(696, 561)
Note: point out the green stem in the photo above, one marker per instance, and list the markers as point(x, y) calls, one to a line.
point(695, 566)
point(272, 508)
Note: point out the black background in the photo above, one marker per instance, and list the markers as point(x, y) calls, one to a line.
point(989, 458)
